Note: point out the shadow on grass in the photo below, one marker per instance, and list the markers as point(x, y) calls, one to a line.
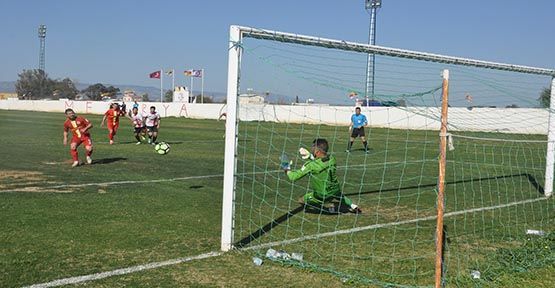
point(108, 160)
point(258, 233)
point(268, 227)
point(529, 177)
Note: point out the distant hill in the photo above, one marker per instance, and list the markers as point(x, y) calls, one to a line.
point(7, 86)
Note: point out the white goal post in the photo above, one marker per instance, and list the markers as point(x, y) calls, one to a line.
point(237, 33)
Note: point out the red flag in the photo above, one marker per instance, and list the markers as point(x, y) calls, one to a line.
point(155, 75)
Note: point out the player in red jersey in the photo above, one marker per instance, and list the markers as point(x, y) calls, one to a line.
point(79, 127)
point(112, 115)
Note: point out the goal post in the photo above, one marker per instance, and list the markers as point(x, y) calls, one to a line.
point(230, 161)
point(550, 155)
point(495, 183)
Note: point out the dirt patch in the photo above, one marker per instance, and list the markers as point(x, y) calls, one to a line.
point(102, 189)
point(26, 181)
point(38, 189)
point(21, 175)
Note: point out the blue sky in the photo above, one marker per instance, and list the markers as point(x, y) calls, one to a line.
point(121, 42)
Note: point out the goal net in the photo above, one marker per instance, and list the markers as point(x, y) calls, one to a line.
point(286, 90)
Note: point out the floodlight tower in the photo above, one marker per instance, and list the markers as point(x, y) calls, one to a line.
point(42, 38)
point(372, 7)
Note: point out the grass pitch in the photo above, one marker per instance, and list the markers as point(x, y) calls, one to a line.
point(133, 207)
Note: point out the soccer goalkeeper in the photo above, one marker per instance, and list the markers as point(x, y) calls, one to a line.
point(323, 179)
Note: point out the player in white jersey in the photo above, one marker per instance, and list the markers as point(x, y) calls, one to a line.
point(138, 124)
point(152, 122)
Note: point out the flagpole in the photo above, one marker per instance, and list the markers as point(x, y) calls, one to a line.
point(173, 79)
point(202, 86)
point(161, 83)
point(193, 95)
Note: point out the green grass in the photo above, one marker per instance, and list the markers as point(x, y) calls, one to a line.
point(51, 231)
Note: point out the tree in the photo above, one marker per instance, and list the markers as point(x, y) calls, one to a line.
point(97, 91)
point(64, 89)
point(168, 96)
point(34, 84)
point(145, 97)
point(111, 91)
point(545, 97)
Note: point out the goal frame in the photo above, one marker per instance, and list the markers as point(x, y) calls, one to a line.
point(238, 33)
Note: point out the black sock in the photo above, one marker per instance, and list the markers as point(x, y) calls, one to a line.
point(137, 137)
point(350, 145)
point(154, 138)
point(365, 145)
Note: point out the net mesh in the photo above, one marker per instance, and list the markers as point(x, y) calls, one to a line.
point(292, 94)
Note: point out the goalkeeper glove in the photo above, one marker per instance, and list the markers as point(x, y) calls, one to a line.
point(285, 164)
point(305, 154)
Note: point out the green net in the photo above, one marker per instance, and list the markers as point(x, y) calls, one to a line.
point(291, 94)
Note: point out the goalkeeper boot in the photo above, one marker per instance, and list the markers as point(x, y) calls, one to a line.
point(355, 209)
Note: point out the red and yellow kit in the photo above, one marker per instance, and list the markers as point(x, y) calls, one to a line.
point(76, 127)
point(112, 117)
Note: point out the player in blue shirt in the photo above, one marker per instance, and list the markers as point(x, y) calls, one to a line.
point(358, 121)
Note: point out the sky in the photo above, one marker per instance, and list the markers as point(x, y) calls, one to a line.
point(121, 42)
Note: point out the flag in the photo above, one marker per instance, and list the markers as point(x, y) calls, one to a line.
point(353, 95)
point(197, 73)
point(193, 73)
point(155, 75)
point(170, 72)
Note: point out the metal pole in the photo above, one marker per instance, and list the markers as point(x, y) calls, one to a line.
point(194, 99)
point(369, 92)
point(373, 6)
point(173, 80)
point(441, 179)
point(161, 86)
point(202, 86)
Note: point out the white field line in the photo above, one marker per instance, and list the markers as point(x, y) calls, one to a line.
point(184, 178)
point(117, 183)
point(123, 271)
point(128, 270)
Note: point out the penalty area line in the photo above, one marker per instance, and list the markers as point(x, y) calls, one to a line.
point(116, 183)
point(136, 181)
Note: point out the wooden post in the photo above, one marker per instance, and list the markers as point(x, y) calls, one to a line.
point(441, 180)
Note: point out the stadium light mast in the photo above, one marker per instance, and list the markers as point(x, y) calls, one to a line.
point(42, 38)
point(372, 7)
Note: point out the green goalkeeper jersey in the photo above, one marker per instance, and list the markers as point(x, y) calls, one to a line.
point(323, 178)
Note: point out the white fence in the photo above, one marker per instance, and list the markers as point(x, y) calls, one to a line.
point(507, 120)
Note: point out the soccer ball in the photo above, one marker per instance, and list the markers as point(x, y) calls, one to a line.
point(162, 148)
